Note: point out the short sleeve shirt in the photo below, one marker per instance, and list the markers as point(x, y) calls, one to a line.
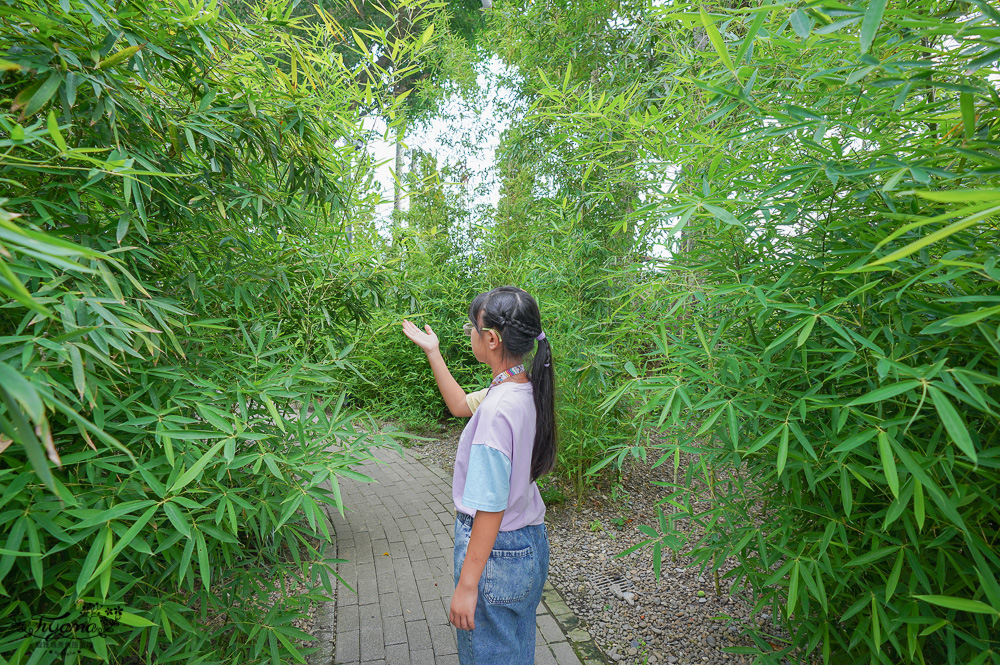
point(493, 462)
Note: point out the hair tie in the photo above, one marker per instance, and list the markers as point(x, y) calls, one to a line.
point(540, 336)
point(546, 364)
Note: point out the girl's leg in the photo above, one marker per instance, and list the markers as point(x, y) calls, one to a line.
point(540, 572)
point(509, 592)
point(463, 532)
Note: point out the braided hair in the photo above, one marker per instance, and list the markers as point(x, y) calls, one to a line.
point(514, 313)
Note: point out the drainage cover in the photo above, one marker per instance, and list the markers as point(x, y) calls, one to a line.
point(603, 582)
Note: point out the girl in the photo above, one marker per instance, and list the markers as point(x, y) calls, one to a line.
point(501, 543)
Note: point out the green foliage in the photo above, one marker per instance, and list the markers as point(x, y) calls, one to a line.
point(824, 178)
point(177, 291)
point(550, 492)
point(830, 342)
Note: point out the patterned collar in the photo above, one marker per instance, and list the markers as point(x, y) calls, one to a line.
point(506, 374)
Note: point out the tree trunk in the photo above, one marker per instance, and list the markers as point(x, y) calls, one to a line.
point(397, 198)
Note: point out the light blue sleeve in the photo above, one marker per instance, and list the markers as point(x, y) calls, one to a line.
point(487, 483)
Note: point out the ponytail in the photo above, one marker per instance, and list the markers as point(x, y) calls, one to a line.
point(543, 458)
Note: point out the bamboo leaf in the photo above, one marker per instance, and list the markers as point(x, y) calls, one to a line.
point(960, 604)
point(872, 557)
point(885, 393)
point(54, 133)
point(783, 450)
point(43, 94)
point(197, 467)
point(871, 22)
point(278, 420)
point(888, 463)
point(22, 391)
point(758, 21)
point(967, 104)
point(932, 238)
point(119, 57)
point(953, 423)
point(124, 542)
point(893, 580)
point(802, 25)
point(918, 503)
point(176, 518)
point(716, 38)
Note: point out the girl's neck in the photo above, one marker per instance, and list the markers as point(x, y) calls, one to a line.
point(501, 365)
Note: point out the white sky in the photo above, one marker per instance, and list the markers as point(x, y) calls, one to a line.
point(479, 122)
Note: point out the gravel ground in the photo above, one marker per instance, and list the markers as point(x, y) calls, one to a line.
point(632, 617)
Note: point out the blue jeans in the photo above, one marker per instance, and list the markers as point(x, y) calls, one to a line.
point(510, 589)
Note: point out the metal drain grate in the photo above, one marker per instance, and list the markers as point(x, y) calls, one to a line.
point(604, 581)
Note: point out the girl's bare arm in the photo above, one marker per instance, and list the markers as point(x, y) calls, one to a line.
point(452, 393)
point(485, 528)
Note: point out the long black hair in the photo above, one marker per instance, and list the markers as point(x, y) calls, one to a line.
point(514, 313)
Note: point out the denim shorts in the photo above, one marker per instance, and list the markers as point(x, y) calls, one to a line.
point(510, 589)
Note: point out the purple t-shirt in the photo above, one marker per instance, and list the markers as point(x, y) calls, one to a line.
point(493, 462)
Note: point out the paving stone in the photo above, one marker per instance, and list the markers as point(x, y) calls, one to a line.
point(564, 653)
point(551, 632)
point(348, 618)
point(543, 655)
point(372, 642)
point(348, 647)
point(443, 639)
point(423, 657)
point(397, 654)
point(418, 636)
point(389, 602)
point(395, 630)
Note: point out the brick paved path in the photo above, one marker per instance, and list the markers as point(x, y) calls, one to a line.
point(399, 537)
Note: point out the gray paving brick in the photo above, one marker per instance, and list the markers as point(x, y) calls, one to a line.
point(421, 570)
point(397, 654)
point(405, 582)
point(543, 655)
point(348, 618)
point(550, 629)
point(394, 629)
point(428, 589)
point(443, 639)
point(348, 646)
point(367, 590)
point(422, 657)
point(389, 602)
point(564, 654)
point(436, 611)
point(372, 642)
point(412, 609)
point(387, 581)
point(418, 636)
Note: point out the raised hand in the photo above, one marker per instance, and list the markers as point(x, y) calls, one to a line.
point(425, 339)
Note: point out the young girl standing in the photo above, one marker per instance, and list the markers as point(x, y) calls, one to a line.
point(501, 543)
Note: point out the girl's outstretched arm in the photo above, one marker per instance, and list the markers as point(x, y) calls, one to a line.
point(452, 393)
